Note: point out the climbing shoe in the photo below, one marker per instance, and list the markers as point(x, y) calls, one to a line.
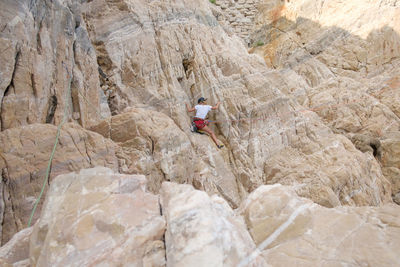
point(220, 146)
point(193, 128)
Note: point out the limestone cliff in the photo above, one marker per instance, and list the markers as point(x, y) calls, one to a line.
point(345, 55)
point(313, 106)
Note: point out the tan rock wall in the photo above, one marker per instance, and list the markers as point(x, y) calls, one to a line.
point(240, 15)
point(155, 56)
point(25, 153)
point(346, 58)
point(46, 50)
point(155, 146)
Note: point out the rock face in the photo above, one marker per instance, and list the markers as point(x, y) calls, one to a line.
point(290, 230)
point(45, 51)
point(25, 152)
point(151, 58)
point(16, 251)
point(240, 15)
point(156, 147)
point(318, 112)
point(167, 59)
point(347, 63)
point(98, 217)
point(203, 231)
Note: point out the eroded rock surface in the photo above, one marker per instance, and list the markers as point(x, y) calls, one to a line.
point(25, 153)
point(98, 217)
point(203, 231)
point(344, 61)
point(157, 147)
point(290, 230)
point(318, 111)
point(46, 50)
point(16, 251)
point(167, 59)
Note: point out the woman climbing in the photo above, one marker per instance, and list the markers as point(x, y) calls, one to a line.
point(202, 110)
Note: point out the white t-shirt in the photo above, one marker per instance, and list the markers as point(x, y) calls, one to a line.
point(202, 110)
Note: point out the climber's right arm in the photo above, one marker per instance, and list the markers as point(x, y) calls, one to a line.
point(189, 109)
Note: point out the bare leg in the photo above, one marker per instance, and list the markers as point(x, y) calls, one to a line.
point(209, 131)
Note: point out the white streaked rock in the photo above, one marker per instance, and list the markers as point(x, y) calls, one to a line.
point(98, 217)
point(293, 231)
point(203, 230)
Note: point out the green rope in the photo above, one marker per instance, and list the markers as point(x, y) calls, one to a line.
point(52, 152)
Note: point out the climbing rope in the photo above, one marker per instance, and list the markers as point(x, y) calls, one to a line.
point(67, 97)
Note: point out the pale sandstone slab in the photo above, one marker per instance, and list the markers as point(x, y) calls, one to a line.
point(16, 251)
point(294, 231)
point(203, 230)
point(98, 217)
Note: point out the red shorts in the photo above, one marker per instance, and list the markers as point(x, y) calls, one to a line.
point(200, 123)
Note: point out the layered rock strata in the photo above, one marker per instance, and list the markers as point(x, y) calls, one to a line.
point(156, 55)
point(240, 16)
point(347, 65)
point(25, 153)
point(257, 122)
point(46, 51)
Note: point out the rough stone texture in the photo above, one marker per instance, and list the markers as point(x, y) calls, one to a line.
point(203, 231)
point(25, 152)
point(239, 15)
point(345, 57)
point(98, 217)
point(294, 231)
point(157, 148)
point(391, 162)
point(16, 251)
point(177, 51)
point(44, 43)
point(286, 119)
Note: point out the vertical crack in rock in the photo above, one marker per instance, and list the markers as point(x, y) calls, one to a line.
point(75, 87)
point(152, 145)
point(87, 153)
point(2, 203)
point(51, 109)
point(84, 155)
point(8, 204)
point(166, 227)
point(10, 85)
point(104, 66)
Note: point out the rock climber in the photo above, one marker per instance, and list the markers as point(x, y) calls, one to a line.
point(200, 121)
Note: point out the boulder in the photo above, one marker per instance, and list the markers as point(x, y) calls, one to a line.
point(16, 251)
point(99, 217)
point(290, 230)
point(203, 230)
